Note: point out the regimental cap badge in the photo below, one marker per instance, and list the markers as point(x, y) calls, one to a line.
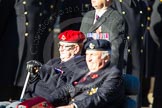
point(91, 46)
point(98, 45)
point(63, 37)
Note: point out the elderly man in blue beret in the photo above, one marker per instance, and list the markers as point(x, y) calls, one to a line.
point(102, 86)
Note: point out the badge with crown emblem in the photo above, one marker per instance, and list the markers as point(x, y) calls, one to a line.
point(63, 37)
point(92, 91)
point(91, 46)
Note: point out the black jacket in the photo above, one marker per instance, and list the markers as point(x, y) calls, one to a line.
point(135, 15)
point(103, 89)
point(55, 74)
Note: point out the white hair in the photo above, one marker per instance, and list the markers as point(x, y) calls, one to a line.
point(105, 53)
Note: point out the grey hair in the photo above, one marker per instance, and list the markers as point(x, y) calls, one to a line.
point(105, 53)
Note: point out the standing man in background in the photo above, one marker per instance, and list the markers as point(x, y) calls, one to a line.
point(135, 12)
point(105, 19)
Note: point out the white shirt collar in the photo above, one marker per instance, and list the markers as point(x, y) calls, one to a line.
point(100, 13)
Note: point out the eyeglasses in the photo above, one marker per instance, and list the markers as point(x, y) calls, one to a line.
point(65, 47)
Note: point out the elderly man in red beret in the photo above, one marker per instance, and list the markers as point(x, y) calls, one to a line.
point(70, 45)
point(59, 71)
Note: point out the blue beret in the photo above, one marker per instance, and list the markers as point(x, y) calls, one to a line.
point(98, 44)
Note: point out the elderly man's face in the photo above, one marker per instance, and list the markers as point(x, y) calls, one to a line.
point(67, 50)
point(95, 61)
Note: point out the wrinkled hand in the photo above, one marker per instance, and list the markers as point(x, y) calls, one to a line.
point(67, 106)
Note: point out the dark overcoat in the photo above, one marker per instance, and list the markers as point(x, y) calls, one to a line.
point(103, 89)
point(35, 21)
point(135, 14)
point(155, 30)
point(8, 49)
point(55, 74)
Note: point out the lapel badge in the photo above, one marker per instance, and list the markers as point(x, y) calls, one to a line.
point(92, 91)
point(63, 37)
point(91, 46)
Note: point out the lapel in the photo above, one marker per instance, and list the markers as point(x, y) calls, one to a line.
point(101, 20)
point(80, 71)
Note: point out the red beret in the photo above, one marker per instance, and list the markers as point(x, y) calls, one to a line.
point(71, 36)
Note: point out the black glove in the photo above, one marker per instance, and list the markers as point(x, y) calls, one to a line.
point(33, 67)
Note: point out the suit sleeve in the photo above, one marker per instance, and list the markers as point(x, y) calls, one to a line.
point(82, 24)
point(87, 22)
point(110, 92)
point(117, 39)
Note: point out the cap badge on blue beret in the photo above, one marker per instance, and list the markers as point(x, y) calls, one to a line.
point(63, 37)
point(91, 46)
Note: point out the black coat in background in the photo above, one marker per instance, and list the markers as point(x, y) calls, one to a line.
point(35, 21)
point(134, 12)
point(156, 33)
point(70, 13)
point(8, 49)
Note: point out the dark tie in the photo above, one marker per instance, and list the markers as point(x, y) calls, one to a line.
point(97, 17)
